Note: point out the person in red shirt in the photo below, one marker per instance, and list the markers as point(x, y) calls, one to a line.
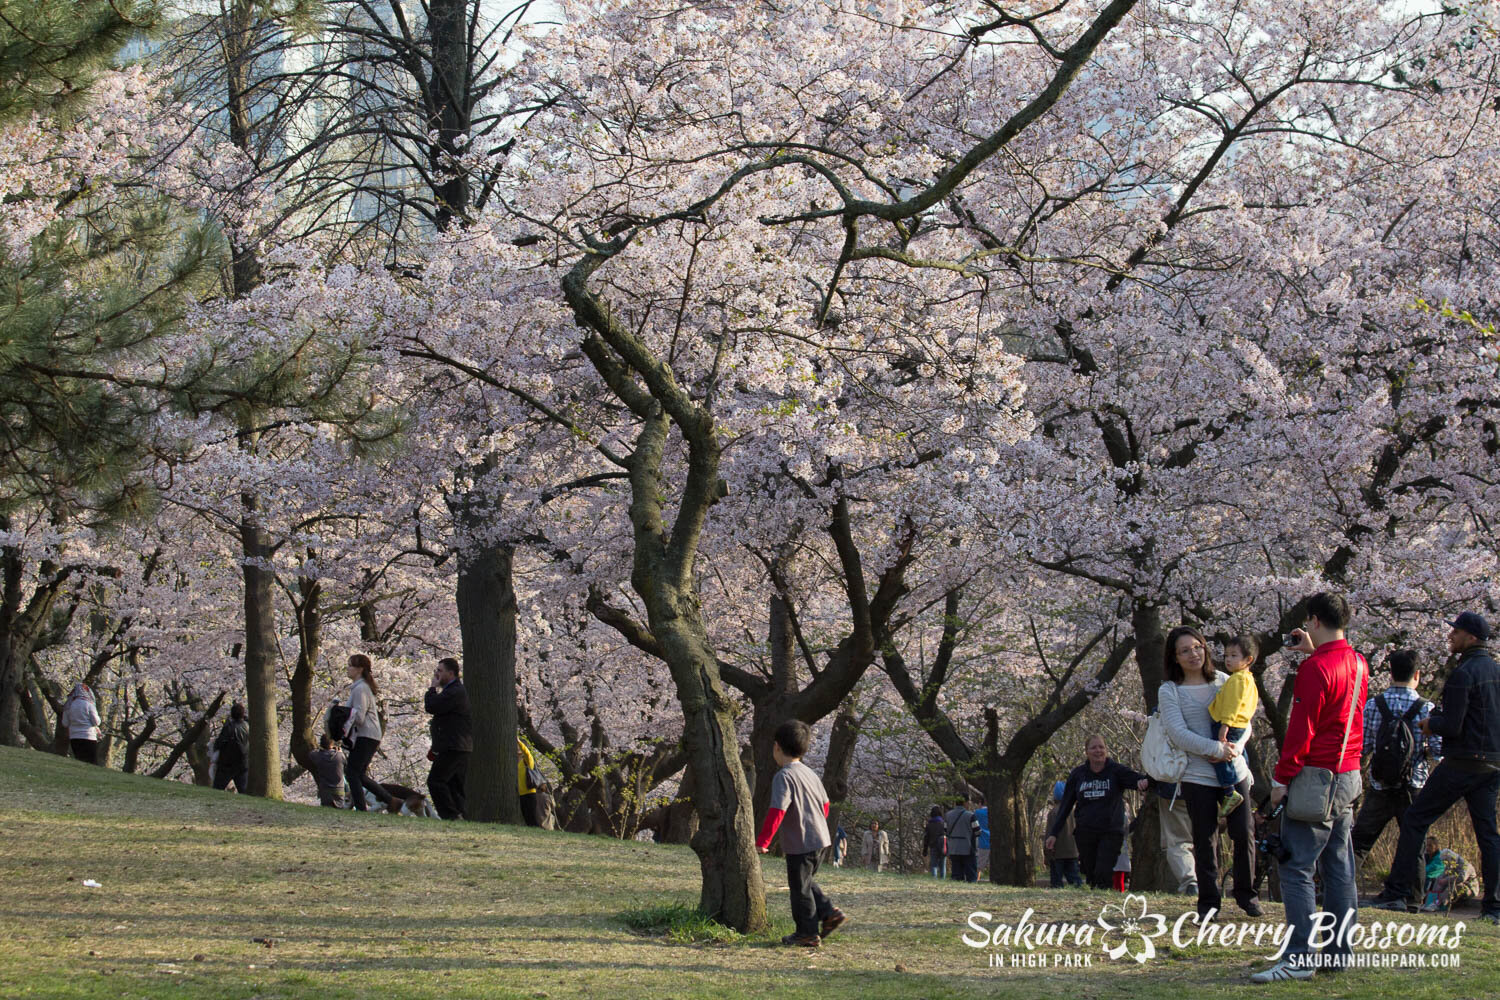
point(1326, 730)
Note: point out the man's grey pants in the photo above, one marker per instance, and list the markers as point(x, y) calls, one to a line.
point(1177, 844)
point(1327, 847)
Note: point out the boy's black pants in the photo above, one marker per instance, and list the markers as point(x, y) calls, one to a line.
point(809, 906)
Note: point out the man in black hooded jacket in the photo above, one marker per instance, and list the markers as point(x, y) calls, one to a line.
point(452, 739)
point(1469, 723)
point(233, 745)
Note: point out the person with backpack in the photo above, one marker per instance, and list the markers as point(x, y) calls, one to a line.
point(1396, 755)
point(528, 784)
point(233, 745)
point(1317, 777)
point(1469, 723)
point(935, 843)
point(961, 827)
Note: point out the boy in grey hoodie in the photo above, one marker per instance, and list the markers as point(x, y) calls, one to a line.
point(798, 798)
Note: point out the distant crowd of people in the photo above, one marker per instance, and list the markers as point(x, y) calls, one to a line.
point(352, 734)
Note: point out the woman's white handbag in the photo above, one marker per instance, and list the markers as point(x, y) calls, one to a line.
point(1159, 757)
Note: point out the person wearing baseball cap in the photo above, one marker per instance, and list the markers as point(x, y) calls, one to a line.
point(1469, 723)
point(1473, 624)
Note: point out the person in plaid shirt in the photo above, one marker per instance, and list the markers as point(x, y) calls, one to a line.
point(1383, 804)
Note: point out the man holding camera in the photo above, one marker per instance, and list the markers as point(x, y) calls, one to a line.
point(452, 739)
point(1324, 739)
point(1469, 723)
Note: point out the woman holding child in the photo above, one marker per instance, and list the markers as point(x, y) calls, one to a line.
point(1183, 701)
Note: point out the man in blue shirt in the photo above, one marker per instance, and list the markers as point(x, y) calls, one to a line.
point(1386, 801)
point(982, 849)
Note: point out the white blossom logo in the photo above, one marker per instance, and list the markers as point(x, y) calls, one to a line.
point(1128, 929)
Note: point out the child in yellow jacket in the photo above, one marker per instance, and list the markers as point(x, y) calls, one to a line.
point(1232, 709)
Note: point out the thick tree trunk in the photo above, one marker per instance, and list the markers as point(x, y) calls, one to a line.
point(304, 735)
point(1011, 859)
point(199, 761)
point(19, 629)
point(776, 703)
point(487, 623)
point(836, 765)
point(733, 892)
point(1148, 863)
point(662, 574)
point(261, 651)
point(766, 713)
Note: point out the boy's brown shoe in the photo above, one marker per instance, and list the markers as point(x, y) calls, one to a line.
point(832, 922)
point(798, 940)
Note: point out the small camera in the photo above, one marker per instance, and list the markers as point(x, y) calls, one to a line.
point(1270, 843)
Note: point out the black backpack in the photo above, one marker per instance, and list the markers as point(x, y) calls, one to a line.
point(1396, 745)
point(233, 745)
point(338, 718)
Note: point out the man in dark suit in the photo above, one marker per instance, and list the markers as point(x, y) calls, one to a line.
point(452, 739)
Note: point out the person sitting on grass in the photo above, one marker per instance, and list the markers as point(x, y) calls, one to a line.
point(328, 763)
point(1437, 885)
point(798, 797)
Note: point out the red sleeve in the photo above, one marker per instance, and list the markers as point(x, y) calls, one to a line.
point(1307, 703)
point(769, 827)
point(825, 810)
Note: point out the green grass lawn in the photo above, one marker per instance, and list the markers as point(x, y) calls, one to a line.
point(384, 907)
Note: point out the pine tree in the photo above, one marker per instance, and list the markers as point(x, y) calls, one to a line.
point(96, 264)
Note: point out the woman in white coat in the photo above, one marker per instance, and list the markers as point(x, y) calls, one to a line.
point(1183, 701)
point(363, 728)
point(81, 716)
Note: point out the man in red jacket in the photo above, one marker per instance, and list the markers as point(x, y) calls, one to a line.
point(1325, 730)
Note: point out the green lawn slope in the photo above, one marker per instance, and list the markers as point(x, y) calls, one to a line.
point(363, 906)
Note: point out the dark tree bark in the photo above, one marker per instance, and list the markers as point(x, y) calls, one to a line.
point(261, 649)
point(308, 607)
point(22, 620)
point(1148, 863)
point(487, 621)
point(841, 743)
point(682, 818)
point(450, 96)
point(137, 742)
point(779, 696)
